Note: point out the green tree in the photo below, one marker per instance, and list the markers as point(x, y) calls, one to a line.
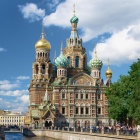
point(117, 95)
point(134, 88)
point(124, 96)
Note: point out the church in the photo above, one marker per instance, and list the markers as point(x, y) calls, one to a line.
point(68, 91)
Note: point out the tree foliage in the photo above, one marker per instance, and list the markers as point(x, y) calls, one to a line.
point(124, 96)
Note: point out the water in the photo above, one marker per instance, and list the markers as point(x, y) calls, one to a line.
point(19, 136)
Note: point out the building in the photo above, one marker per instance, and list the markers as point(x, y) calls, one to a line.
point(7, 118)
point(67, 91)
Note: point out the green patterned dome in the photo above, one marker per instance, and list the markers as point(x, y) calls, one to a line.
point(95, 62)
point(61, 61)
point(74, 19)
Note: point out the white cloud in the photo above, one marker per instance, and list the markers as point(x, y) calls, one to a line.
point(122, 47)
point(14, 93)
point(31, 12)
point(24, 99)
point(96, 17)
point(23, 77)
point(6, 85)
point(121, 19)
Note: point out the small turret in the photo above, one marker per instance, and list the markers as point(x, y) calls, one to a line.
point(95, 65)
point(108, 74)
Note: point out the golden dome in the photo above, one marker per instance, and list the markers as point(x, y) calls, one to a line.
point(108, 72)
point(43, 43)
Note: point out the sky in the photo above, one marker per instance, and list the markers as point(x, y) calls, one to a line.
point(113, 25)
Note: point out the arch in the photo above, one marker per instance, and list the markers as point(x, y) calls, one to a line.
point(77, 104)
point(82, 76)
point(82, 104)
point(77, 61)
point(87, 104)
point(48, 123)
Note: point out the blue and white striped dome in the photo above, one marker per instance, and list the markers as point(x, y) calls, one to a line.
point(61, 61)
point(95, 62)
point(74, 19)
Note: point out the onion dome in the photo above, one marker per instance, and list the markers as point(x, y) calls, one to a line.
point(43, 43)
point(74, 19)
point(61, 61)
point(108, 71)
point(95, 62)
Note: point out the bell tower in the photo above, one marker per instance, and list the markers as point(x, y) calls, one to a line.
point(74, 50)
point(41, 71)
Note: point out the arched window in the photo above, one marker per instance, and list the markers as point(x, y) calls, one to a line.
point(69, 61)
point(77, 61)
point(43, 69)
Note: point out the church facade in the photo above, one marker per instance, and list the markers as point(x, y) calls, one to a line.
point(67, 92)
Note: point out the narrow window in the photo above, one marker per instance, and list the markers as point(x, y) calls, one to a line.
point(98, 96)
point(43, 69)
point(63, 95)
point(82, 110)
point(87, 110)
point(63, 110)
point(99, 110)
point(81, 96)
point(77, 61)
point(76, 110)
point(76, 95)
point(86, 96)
point(69, 61)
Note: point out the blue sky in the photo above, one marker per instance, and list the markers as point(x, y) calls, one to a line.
point(113, 24)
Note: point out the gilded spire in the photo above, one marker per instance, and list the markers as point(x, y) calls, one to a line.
point(61, 49)
point(95, 52)
point(43, 34)
point(108, 63)
point(74, 9)
point(108, 71)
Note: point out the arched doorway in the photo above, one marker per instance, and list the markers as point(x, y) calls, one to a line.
point(77, 125)
point(48, 123)
point(87, 124)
